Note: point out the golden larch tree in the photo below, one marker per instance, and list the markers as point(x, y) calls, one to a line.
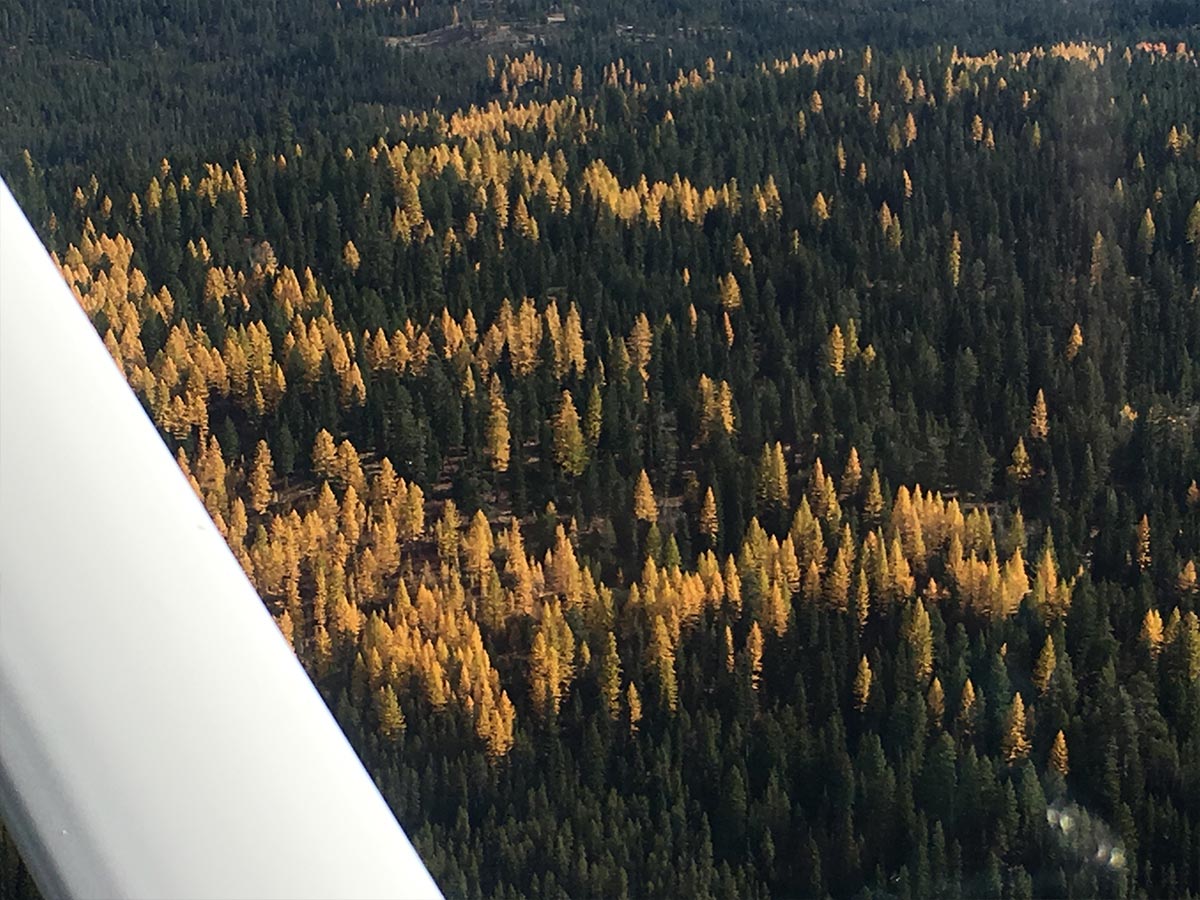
point(837, 581)
point(903, 583)
point(1096, 266)
point(261, 474)
point(573, 340)
point(873, 503)
point(851, 475)
point(640, 344)
point(1146, 233)
point(387, 709)
point(977, 129)
point(1152, 631)
point(645, 507)
point(1043, 669)
point(477, 548)
point(497, 437)
point(772, 476)
point(1186, 583)
point(447, 534)
point(569, 449)
point(729, 291)
point(954, 259)
point(1015, 745)
point(610, 676)
point(862, 684)
point(1074, 343)
point(1143, 557)
point(1020, 468)
point(968, 709)
point(1050, 596)
point(1039, 418)
point(544, 675)
point(324, 455)
point(732, 581)
point(835, 351)
point(820, 208)
point(287, 628)
point(634, 702)
point(861, 599)
point(935, 702)
point(919, 636)
point(662, 662)
point(754, 655)
point(1058, 760)
point(709, 521)
point(741, 253)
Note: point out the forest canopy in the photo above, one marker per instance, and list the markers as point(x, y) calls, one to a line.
point(696, 466)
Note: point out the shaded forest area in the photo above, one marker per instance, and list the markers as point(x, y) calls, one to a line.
point(101, 82)
point(712, 473)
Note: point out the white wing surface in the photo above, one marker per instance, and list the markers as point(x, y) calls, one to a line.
point(158, 739)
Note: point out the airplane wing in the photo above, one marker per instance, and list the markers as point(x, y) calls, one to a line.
point(158, 738)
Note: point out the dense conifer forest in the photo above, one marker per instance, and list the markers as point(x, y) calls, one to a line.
point(689, 464)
